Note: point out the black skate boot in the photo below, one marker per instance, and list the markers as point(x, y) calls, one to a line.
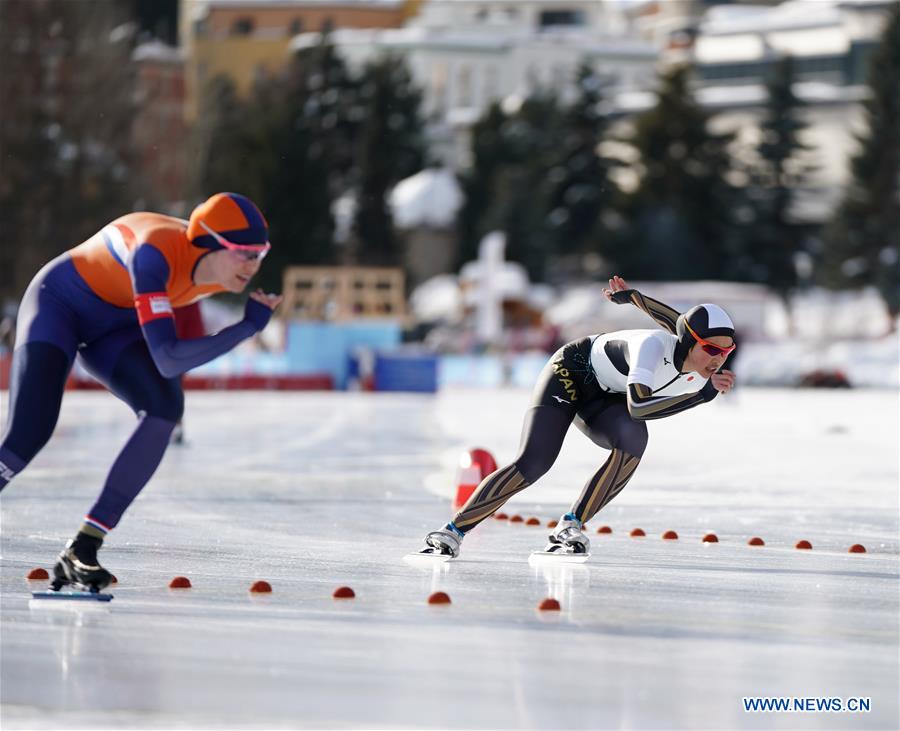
point(78, 565)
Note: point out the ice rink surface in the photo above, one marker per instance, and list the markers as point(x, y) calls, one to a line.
point(311, 491)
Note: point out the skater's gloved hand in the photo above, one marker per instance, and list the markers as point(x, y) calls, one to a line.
point(718, 383)
point(259, 308)
point(618, 291)
point(723, 381)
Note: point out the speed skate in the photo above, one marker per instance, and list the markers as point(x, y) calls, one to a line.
point(428, 557)
point(548, 558)
point(70, 591)
point(72, 595)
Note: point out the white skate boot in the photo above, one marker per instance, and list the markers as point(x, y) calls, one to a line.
point(441, 545)
point(568, 543)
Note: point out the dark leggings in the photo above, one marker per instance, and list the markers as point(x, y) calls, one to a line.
point(57, 319)
point(39, 374)
point(566, 391)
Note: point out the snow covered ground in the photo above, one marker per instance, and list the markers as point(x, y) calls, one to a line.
point(311, 491)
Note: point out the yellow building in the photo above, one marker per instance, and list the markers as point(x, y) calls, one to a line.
point(246, 39)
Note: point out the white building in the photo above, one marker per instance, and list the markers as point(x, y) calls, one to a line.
point(829, 39)
point(672, 24)
point(830, 42)
point(733, 49)
point(466, 54)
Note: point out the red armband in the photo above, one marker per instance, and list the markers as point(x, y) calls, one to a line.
point(152, 306)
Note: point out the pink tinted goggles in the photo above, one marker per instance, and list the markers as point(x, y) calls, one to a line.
point(251, 252)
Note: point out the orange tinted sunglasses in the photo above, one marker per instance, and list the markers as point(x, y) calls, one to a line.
point(708, 347)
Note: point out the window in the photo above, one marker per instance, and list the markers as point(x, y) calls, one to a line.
point(550, 18)
point(464, 87)
point(242, 27)
point(491, 84)
point(559, 76)
point(439, 87)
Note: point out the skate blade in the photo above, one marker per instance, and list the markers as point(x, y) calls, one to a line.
point(426, 559)
point(546, 558)
point(71, 595)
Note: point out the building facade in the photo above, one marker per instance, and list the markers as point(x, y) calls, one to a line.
point(159, 132)
point(830, 42)
point(466, 55)
point(246, 39)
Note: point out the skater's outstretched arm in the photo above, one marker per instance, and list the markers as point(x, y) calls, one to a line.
point(173, 357)
point(643, 405)
point(620, 293)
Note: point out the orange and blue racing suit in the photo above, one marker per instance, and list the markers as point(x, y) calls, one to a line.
point(109, 302)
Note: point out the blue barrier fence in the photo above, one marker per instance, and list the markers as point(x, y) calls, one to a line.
point(370, 354)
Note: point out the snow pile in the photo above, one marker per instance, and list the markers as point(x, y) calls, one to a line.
point(862, 363)
point(512, 281)
point(156, 50)
point(445, 297)
point(845, 333)
point(431, 197)
point(438, 299)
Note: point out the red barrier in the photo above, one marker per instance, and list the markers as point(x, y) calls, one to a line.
point(251, 382)
point(313, 382)
point(5, 364)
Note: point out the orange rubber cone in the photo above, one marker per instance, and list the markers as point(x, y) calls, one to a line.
point(474, 466)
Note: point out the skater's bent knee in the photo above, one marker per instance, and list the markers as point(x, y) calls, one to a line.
point(171, 409)
point(632, 438)
point(534, 466)
point(165, 402)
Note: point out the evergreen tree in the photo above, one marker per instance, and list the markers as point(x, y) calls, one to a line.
point(230, 144)
point(863, 240)
point(66, 94)
point(289, 147)
point(680, 216)
point(158, 18)
point(390, 148)
point(314, 160)
point(509, 187)
point(781, 170)
point(490, 152)
point(296, 195)
point(581, 189)
point(303, 138)
point(333, 110)
point(522, 193)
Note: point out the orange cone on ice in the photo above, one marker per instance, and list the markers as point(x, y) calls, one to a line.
point(474, 466)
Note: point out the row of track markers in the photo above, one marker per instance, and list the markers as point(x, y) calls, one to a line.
point(668, 535)
point(342, 592)
point(477, 463)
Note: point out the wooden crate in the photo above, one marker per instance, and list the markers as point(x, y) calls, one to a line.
point(343, 293)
